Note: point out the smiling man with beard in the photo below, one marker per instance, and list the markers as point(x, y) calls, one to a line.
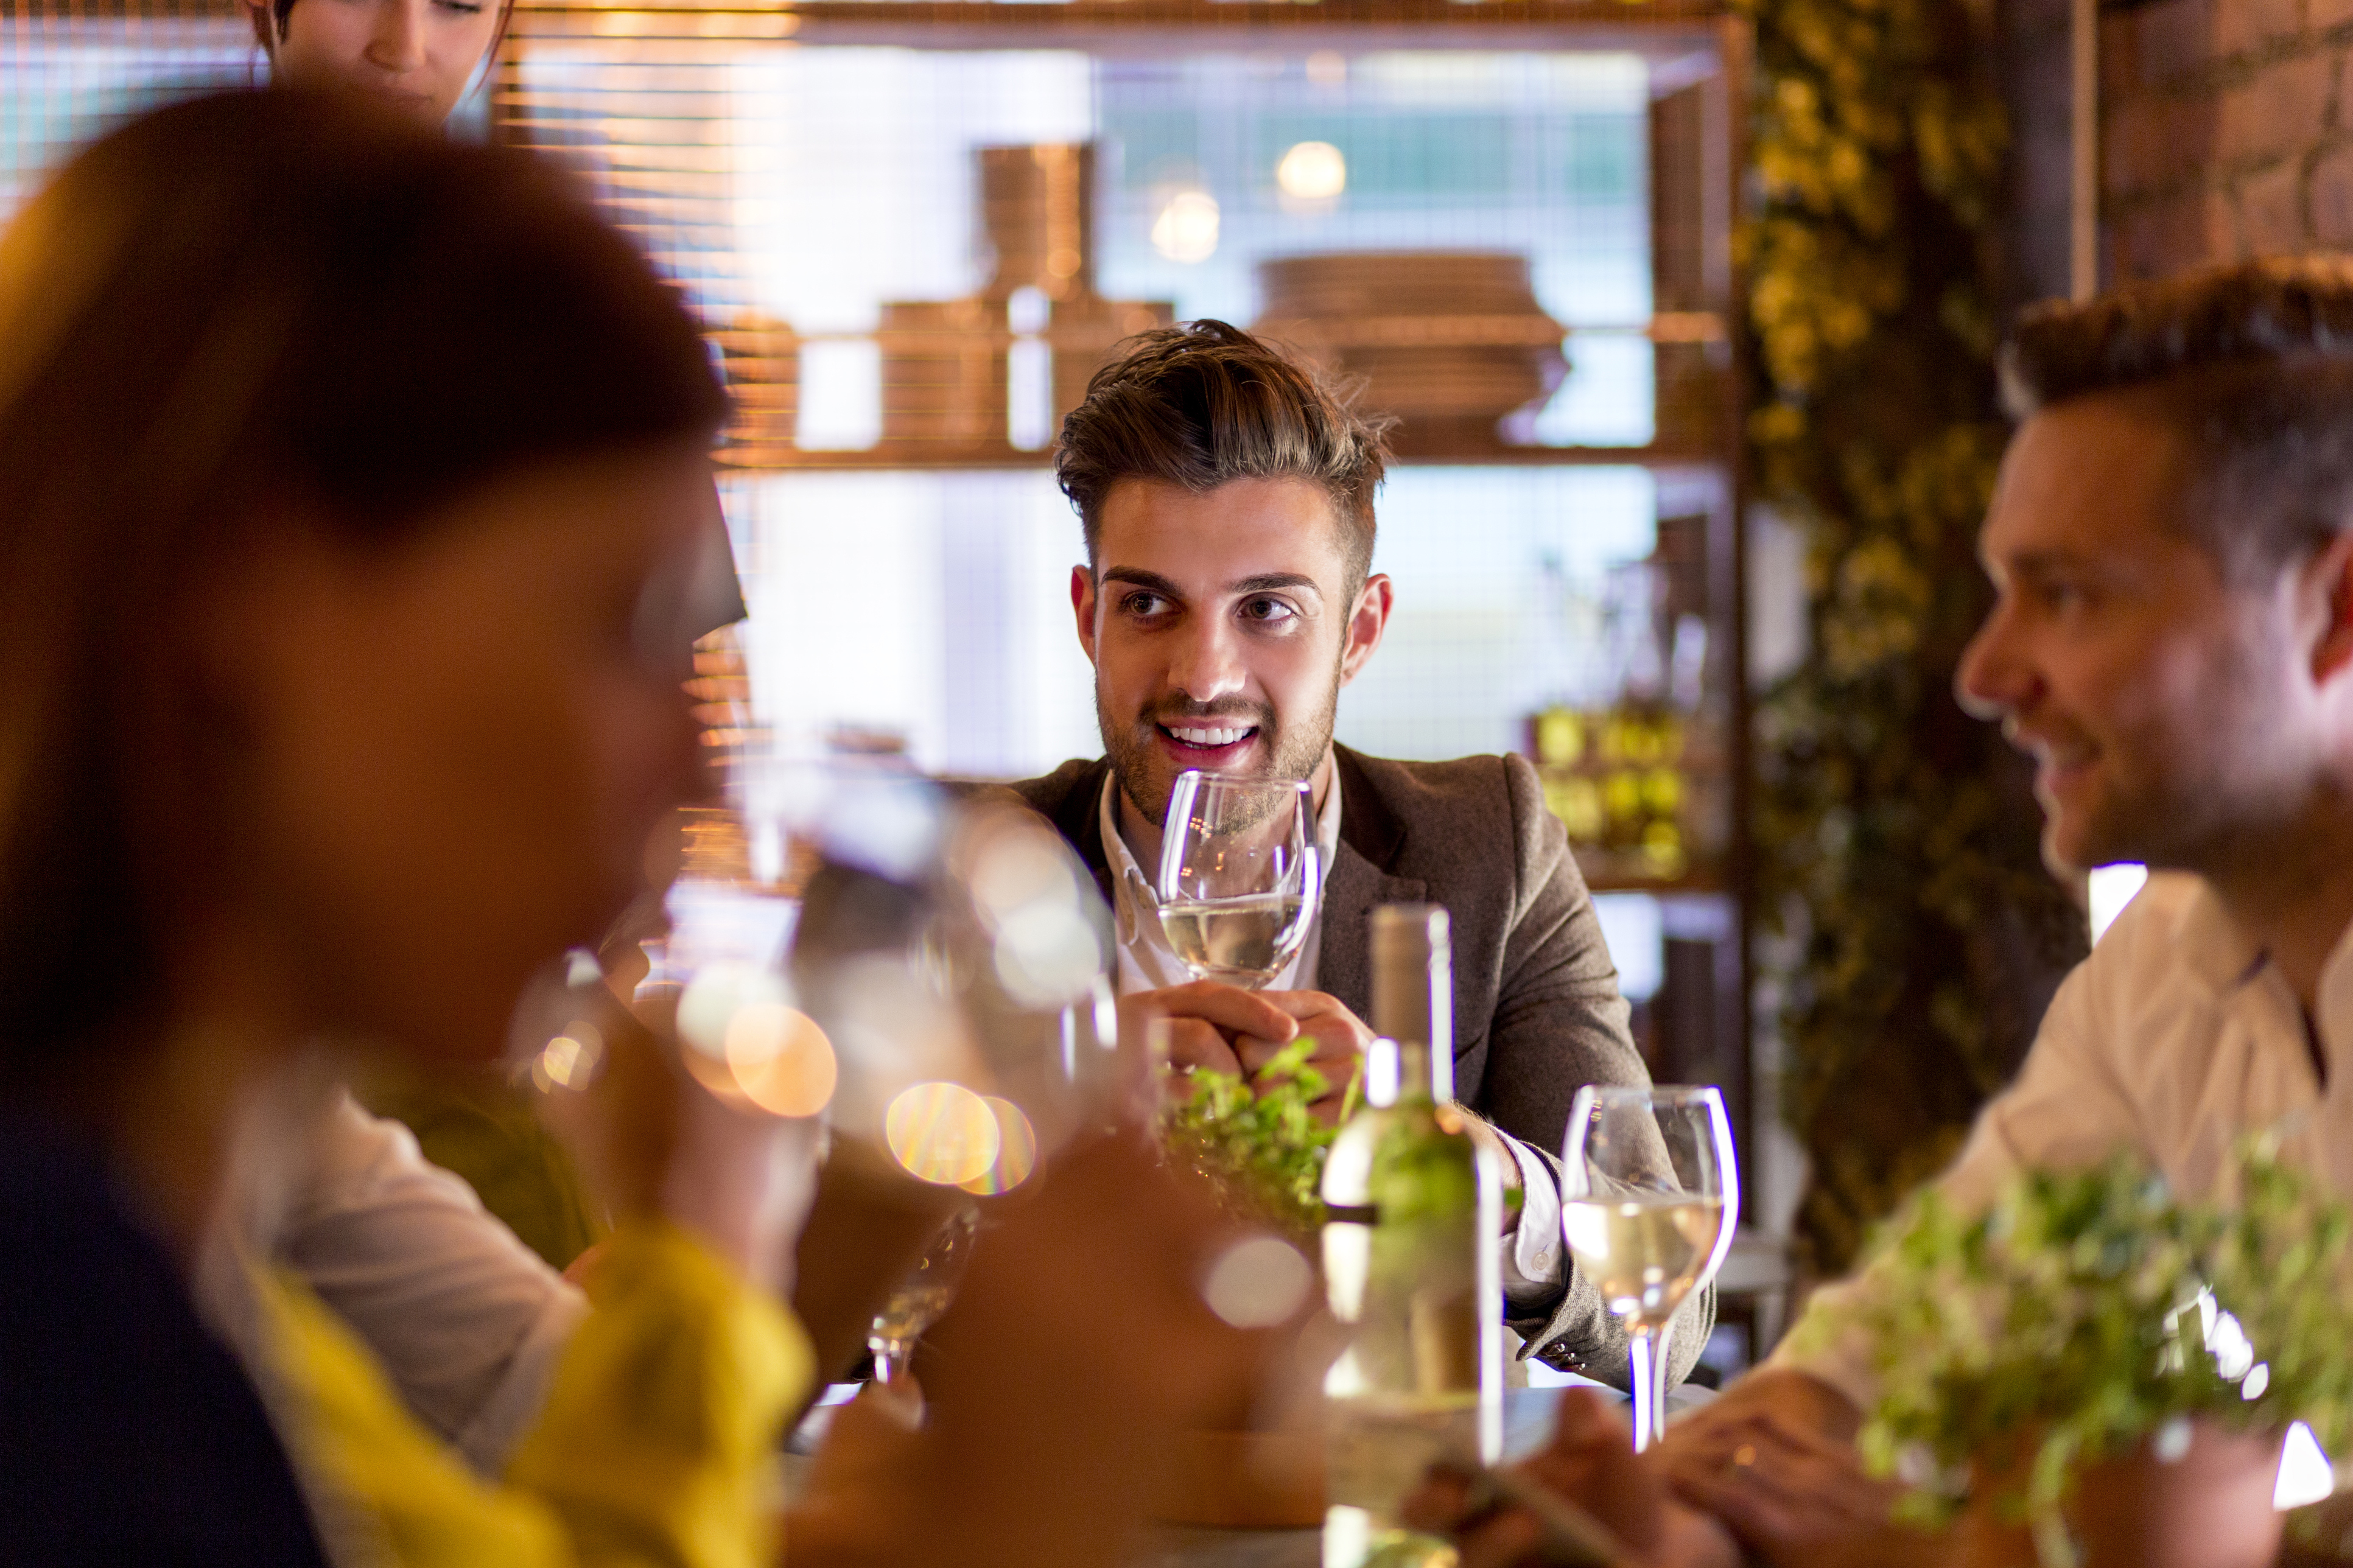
point(1227, 502)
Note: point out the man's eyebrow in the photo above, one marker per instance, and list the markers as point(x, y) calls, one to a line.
point(1266, 581)
point(2034, 563)
point(1139, 577)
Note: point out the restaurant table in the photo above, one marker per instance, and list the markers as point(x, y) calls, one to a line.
point(1528, 1422)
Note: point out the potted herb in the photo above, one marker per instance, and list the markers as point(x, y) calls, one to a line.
point(2092, 1372)
point(1260, 1149)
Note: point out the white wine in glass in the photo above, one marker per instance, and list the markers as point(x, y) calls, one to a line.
point(1649, 1197)
point(1239, 875)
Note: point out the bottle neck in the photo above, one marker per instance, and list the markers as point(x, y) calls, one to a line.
point(1398, 1070)
point(1413, 991)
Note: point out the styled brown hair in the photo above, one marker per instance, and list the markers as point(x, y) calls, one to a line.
point(2251, 363)
point(1202, 404)
point(261, 306)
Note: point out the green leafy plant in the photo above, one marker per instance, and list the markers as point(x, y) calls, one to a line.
point(1914, 936)
point(2085, 1311)
point(1261, 1149)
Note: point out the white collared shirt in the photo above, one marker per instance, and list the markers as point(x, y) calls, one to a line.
point(2173, 1038)
point(1534, 1258)
point(467, 1322)
point(1146, 961)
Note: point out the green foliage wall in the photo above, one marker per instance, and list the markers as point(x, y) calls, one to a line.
point(1897, 840)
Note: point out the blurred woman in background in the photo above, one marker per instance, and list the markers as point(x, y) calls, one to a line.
point(416, 57)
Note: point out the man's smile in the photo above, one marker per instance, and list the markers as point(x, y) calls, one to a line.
point(1207, 745)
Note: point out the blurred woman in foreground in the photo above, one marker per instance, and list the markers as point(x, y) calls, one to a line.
point(349, 482)
point(349, 488)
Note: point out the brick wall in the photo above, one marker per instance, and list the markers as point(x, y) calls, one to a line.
point(2036, 86)
point(2226, 132)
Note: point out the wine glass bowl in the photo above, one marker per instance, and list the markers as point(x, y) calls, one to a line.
point(1239, 874)
point(1649, 1193)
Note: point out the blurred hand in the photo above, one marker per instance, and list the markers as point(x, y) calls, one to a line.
point(1227, 1029)
point(1340, 1036)
point(1591, 1461)
point(655, 1142)
point(1078, 1348)
point(1793, 1495)
point(849, 1511)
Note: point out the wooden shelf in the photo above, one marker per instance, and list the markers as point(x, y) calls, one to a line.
point(1660, 27)
point(994, 460)
point(1690, 885)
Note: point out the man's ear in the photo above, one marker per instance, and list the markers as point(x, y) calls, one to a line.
point(1082, 606)
point(1366, 623)
point(2328, 579)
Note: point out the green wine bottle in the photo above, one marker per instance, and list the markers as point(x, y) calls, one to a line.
point(1409, 1262)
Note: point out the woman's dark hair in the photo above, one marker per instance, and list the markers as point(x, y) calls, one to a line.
point(259, 306)
point(2251, 364)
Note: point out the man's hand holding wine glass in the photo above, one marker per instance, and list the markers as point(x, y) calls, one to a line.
point(1224, 1028)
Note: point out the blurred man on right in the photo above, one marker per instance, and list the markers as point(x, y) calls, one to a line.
point(2171, 546)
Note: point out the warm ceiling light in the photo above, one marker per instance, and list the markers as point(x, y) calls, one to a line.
point(1312, 172)
point(1187, 228)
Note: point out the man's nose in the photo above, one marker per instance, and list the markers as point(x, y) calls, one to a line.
point(397, 42)
point(1995, 678)
point(1207, 663)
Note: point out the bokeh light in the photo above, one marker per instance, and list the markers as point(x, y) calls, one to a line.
point(1047, 952)
point(1186, 229)
point(749, 1044)
point(1016, 1151)
point(570, 1059)
point(943, 1133)
point(1258, 1282)
point(716, 993)
point(1312, 172)
point(781, 1060)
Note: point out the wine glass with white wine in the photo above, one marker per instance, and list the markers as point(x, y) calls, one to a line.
point(1239, 874)
point(925, 1293)
point(1649, 1197)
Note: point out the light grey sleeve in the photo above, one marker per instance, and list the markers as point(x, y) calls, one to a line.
point(1560, 1024)
point(466, 1320)
point(1570, 1328)
point(2065, 1111)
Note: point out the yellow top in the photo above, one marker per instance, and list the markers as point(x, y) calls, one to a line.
point(656, 1446)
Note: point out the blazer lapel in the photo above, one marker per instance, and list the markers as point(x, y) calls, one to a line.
point(1079, 816)
point(1352, 890)
point(1358, 883)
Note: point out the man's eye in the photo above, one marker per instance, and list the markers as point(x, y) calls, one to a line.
point(462, 7)
point(1143, 604)
point(2059, 597)
point(1269, 610)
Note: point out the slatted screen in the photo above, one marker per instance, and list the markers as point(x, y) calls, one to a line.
point(913, 230)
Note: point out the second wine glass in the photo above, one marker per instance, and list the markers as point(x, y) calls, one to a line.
point(1649, 1197)
point(1239, 874)
point(927, 1292)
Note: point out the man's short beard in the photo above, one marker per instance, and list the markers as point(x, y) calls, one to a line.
point(1298, 749)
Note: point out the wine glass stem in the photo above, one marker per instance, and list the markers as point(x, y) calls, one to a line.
point(890, 1356)
point(1646, 1360)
